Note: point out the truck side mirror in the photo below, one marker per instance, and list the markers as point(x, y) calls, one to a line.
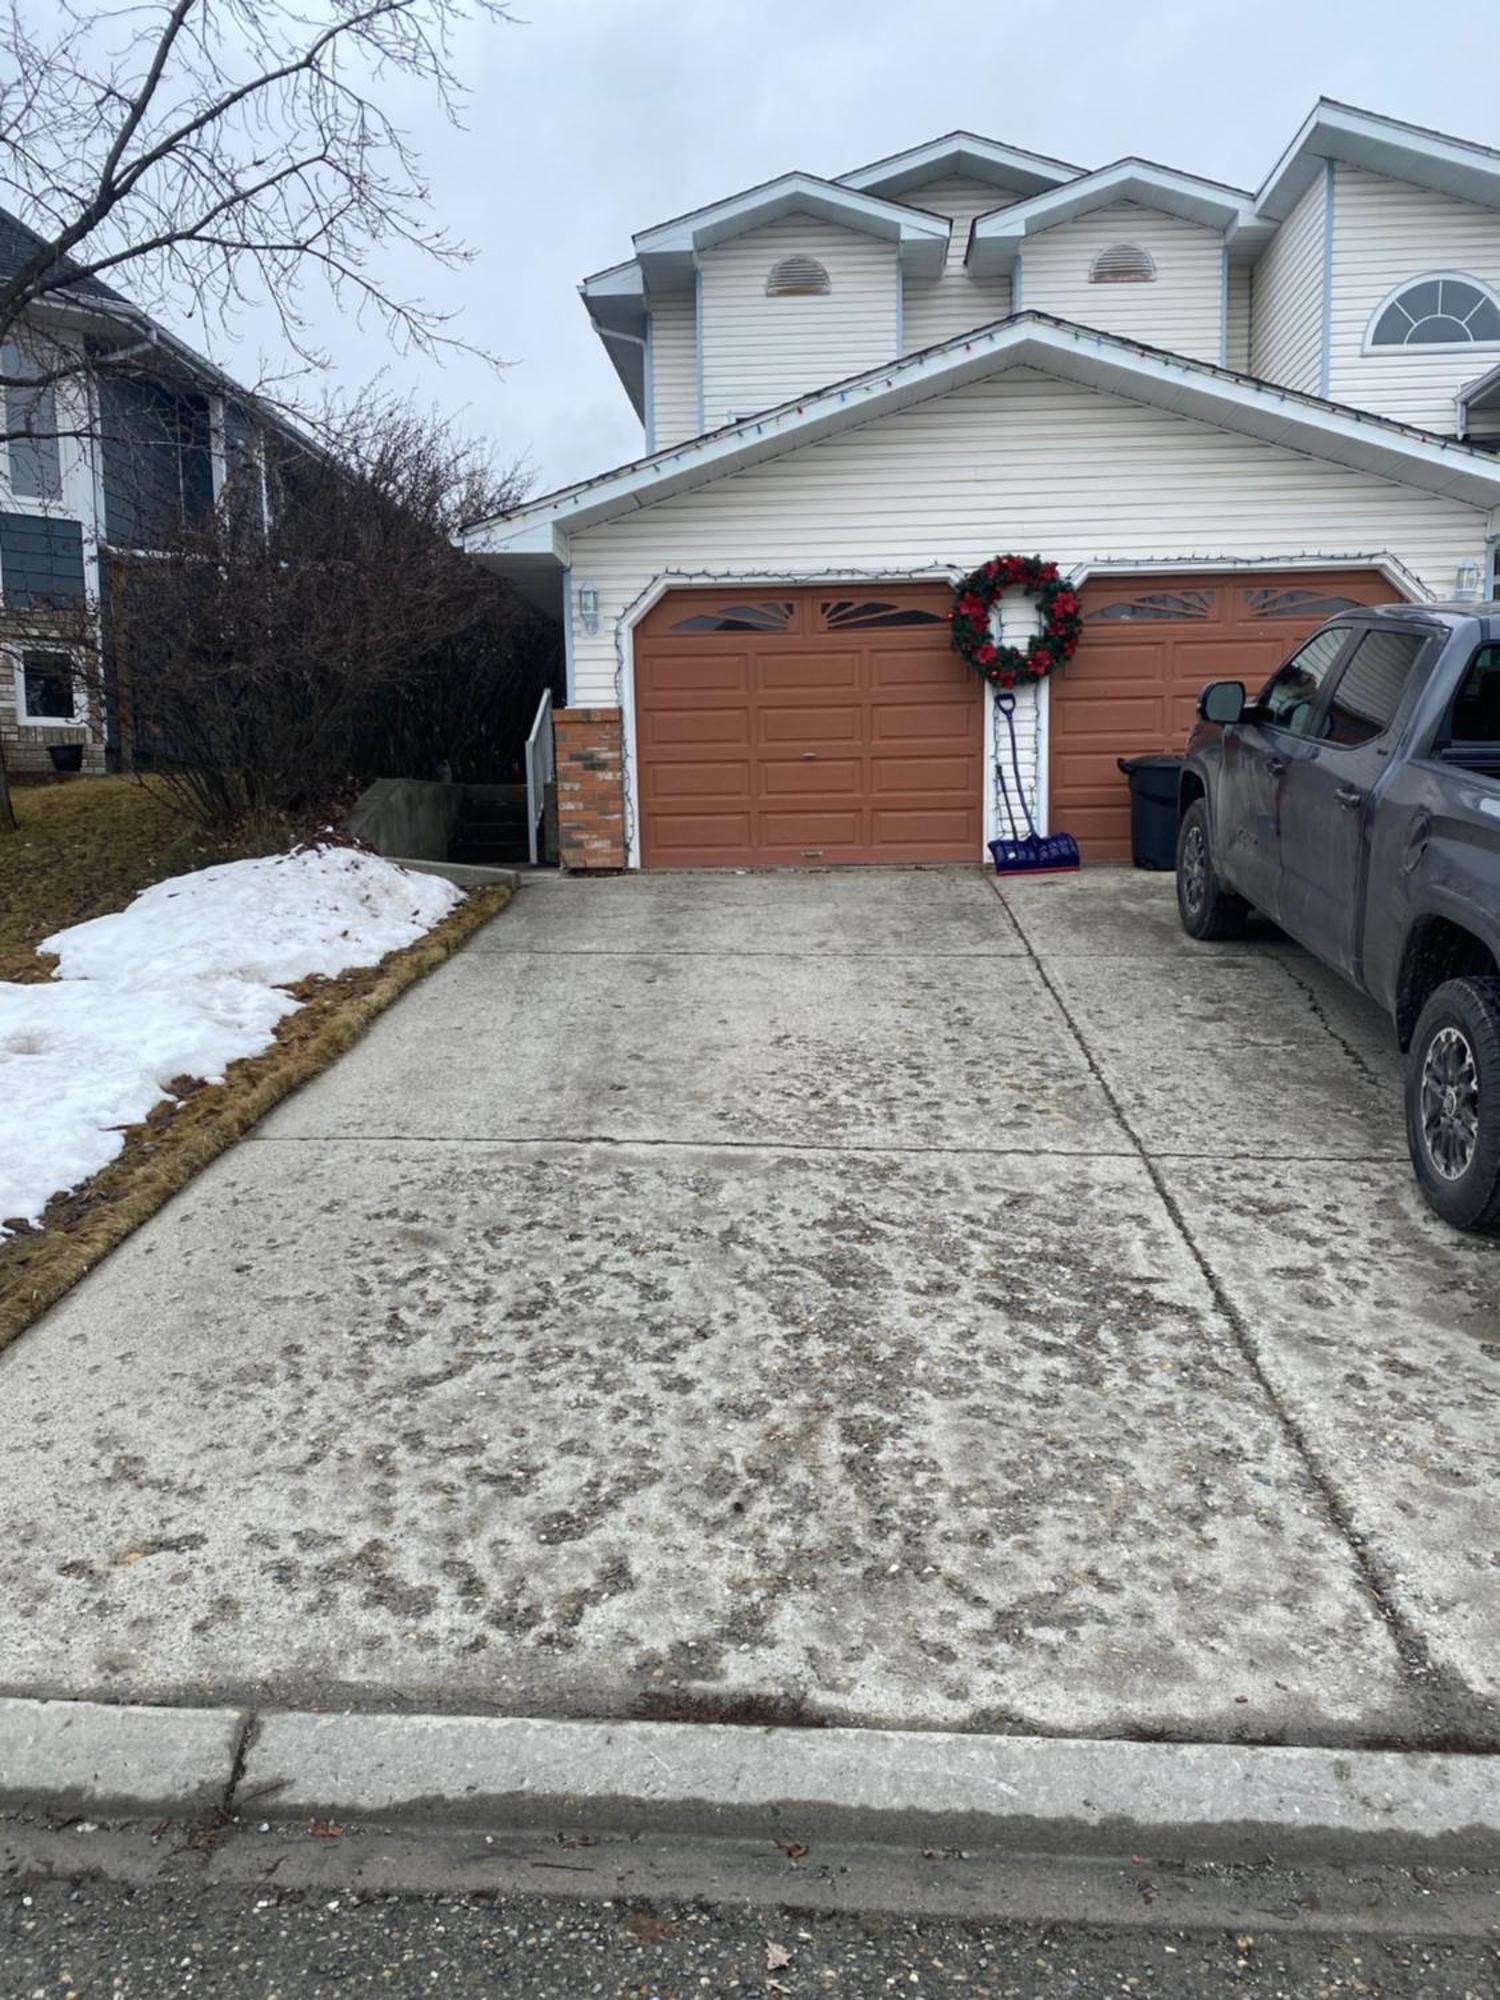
point(1222, 701)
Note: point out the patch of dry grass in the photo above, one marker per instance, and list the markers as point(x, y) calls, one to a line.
point(84, 848)
point(88, 849)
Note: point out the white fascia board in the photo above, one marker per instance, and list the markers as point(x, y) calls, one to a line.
point(964, 153)
point(671, 247)
point(1028, 340)
point(530, 536)
point(1386, 146)
point(1478, 395)
point(616, 303)
point(996, 238)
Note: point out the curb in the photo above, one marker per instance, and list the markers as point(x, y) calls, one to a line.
point(68, 1757)
point(877, 1787)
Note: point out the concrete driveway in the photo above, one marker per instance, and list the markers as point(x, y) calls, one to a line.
point(870, 1297)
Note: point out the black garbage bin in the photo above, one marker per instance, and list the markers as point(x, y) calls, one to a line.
point(1153, 809)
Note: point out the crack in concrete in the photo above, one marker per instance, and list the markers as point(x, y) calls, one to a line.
point(1320, 1014)
point(1432, 1685)
point(244, 1738)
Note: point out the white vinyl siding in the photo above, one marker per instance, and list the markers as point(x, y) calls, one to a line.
point(759, 351)
point(935, 309)
point(1385, 234)
point(1019, 462)
point(674, 368)
point(1286, 299)
point(1237, 341)
point(1180, 309)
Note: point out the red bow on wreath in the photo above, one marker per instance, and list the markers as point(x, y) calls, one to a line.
point(1061, 620)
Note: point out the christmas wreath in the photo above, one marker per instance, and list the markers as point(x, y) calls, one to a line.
point(1055, 642)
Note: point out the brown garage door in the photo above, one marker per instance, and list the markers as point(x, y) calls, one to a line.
point(1149, 644)
point(780, 726)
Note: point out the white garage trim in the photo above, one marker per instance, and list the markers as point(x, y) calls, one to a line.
point(1390, 567)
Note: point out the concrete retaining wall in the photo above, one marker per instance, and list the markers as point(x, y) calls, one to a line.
point(408, 817)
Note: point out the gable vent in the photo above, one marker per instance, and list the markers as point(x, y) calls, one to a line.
point(1122, 264)
point(797, 278)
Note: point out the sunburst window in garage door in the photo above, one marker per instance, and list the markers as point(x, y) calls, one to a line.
point(818, 725)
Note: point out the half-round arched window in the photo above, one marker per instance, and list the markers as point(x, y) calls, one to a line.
point(797, 278)
point(1122, 264)
point(1438, 312)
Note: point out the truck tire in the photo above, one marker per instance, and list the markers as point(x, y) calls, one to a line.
point(1453, 1103)
point(1208, 910)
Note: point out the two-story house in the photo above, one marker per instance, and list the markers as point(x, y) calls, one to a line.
point(1225, 414)
point(97, 468)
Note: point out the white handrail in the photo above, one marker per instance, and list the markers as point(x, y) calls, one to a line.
point(540, 770)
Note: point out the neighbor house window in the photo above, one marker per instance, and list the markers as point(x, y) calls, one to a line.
point(47, 689)
point(798, 278)
point(1438, 312)
point(1122, 264)
point(34, 462)
point(1290, 698)
point(1369, 692)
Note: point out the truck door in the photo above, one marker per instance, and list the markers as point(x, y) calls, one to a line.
point(1327, 788)
point(1257, 753)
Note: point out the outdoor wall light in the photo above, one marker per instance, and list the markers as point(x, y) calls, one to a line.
point(1468, 582)
point(588, 607)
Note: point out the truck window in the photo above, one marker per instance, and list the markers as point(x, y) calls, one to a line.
point(1370, 689)
point(1476, 706)
point(1290, 696)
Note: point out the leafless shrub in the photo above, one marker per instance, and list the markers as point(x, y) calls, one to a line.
point(265, 663)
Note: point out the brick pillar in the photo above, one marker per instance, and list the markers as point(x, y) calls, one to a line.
point(590, 788)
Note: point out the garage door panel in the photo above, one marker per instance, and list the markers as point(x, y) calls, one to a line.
point(823, 778)
point(1100, 709)
point(866, 743)
point(905, 668)
point(957, 775)
point(704, 833)
point(718, 779)
point(812, 725)
point(926, 829)
point(1106, 718)
point(690, 729)
point(910, 722)
point(809, 827)
point(1127, 662)
point(807, 674)
point(698, 673)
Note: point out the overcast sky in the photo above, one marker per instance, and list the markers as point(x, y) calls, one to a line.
point(591, 119)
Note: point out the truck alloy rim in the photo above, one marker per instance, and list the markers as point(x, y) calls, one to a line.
point(1450, 1103)
point(1194, 869)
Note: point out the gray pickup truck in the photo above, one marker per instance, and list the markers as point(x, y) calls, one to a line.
point(1356, 802)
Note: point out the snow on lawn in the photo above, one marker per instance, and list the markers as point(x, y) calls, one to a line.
point(182, 983)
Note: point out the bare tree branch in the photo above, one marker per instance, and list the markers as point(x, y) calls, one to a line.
point(207, 155)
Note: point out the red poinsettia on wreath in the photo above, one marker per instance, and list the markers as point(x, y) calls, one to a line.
point(1061, 620)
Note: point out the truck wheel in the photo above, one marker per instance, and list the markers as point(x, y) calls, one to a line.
point(1208, 910)
point(1453, 1103)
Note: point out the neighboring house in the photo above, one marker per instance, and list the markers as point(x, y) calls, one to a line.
point(111, 461)
point(1225, 414)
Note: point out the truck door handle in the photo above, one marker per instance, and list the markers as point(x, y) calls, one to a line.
point(1349, 797)
point(1276, 765)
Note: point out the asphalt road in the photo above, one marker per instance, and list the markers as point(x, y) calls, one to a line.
point(60, 1938)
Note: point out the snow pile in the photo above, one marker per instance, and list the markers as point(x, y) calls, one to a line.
point(182, 983)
